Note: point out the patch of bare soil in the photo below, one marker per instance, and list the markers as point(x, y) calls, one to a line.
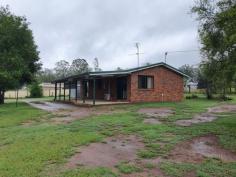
point(68, 116)
point(108, 153)
point(145, 173)
point(65, 117)
point(222, 109)
point(200, 118)
point(197, 149)
point(151, 121)
point(209, 116)
point(156, 112)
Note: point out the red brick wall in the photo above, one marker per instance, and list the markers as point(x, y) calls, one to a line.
point(168, 86)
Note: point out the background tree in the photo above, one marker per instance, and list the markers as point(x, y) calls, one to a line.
point(79, 66)
point(62, 68)
point(18, 52)
point(191, 71)
point(46, 75)
point(119, 69)
point(217, 31)
point(96, 65)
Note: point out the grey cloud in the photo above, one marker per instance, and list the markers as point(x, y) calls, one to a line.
point(108, 30)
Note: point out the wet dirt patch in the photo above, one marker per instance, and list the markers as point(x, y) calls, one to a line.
point(151, 121)
point(65, 116)
point(50, 106)
point(68, 116)
point(209, 116)
point(222, 109)
point(108, 153)
point(156, 112)
point(145, 173)
point(197, 149)
point(200, 118)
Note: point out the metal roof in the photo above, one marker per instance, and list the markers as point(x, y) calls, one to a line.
point(120, 72)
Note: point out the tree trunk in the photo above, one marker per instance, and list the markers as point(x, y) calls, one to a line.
point(208, 92)
point(2, 97)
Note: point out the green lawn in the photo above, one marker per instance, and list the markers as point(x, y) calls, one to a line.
point(40, 149)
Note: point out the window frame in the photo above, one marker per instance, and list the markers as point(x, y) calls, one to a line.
point(146, 80)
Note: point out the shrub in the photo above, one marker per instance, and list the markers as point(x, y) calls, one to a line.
point(193, 96)
point(36, 91)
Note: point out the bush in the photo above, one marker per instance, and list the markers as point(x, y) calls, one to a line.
point(36, 91)
point(193, 96)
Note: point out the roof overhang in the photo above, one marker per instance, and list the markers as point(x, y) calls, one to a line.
point(90, 75)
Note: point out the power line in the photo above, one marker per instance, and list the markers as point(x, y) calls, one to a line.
point(180, 51)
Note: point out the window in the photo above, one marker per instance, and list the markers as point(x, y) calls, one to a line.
point(145, 82)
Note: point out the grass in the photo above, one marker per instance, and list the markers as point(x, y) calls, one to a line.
point(128, 168)
point(41, 149)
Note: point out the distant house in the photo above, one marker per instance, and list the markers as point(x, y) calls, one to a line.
point(153, 83)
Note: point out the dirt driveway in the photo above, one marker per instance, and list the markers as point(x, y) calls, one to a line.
point(67, 113)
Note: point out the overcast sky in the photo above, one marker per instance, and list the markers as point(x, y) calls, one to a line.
point(108, 30)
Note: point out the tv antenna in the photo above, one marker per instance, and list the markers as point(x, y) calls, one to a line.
point(137, 45)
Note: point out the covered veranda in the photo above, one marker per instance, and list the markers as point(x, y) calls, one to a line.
point(92, 89)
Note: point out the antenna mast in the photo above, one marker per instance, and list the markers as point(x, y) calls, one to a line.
point(137, 46)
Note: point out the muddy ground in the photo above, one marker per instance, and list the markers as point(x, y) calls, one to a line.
point(154, 115)
point(107, 153)
point(199, 148)
point(209, 116)
point(156, 112)
point(66, 113)
point(113, 151)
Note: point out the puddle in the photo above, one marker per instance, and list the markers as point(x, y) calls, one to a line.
point(108, 153)
point(197, 149)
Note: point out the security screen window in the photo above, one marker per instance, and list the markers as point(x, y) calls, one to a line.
point(145, 82)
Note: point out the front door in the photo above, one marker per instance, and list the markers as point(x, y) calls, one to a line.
point(121, 84)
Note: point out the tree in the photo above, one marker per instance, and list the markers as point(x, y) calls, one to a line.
point(46, 75)
point(62, 68)
point(36, 90)
point(190, 71)
point(119, 69)
point(217, 31)
point(79, 66)
point(19, 59)
point(96, 65)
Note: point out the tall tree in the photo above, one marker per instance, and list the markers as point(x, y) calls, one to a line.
point(217, 31)
point(46, 75)
point(191, 71)
point(62, 68)
point(79, 66)
point(96, 65)
point(19, 59)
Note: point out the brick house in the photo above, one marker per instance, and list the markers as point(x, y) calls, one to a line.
point(153, 83)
